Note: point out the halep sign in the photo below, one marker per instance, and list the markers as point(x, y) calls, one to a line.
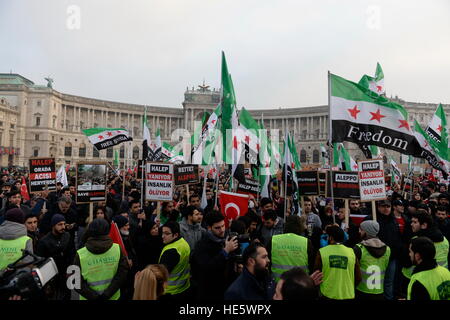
point(371, 180)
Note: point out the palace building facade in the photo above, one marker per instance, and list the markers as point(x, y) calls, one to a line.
point(38, 121)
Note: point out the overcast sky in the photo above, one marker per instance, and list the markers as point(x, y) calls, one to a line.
point(278, 51)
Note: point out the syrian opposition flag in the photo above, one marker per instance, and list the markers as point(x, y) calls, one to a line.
point(342, 159)
point(358, 115)
point(147, 140)
point(325, 157)
point(437, 131)
point(289, 176)
point(233, 205)
point(103, 138)
point(427, 152)
point(156, 148)
point(204, 202)
point(170, 154)
point(251, 140)
point(24, 191)
point(375, 84)
point(395, 171)
point(202, 151)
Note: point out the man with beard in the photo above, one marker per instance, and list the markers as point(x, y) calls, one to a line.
point(57, 245)
point(211, 258)
point(31, 222)
point(254, 283)
point(429, 281)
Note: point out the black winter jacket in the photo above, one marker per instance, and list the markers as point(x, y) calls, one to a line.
point(247, 287)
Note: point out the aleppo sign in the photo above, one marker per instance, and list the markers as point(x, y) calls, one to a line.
point(308, 183)
point(371, 180)
point(42, 174)
point(345, 185)
point(159, 182)
point(322, 183)
point(186, 174)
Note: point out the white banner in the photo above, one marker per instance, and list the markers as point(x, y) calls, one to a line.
point(371, 180)
point(159, 182)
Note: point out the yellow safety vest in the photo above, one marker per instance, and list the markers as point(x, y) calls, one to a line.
point(338, 268)
point(179, 278)
point(436, 281)
point(11, 250)
point(99, 269)
point(288, 251)
point(372, 271)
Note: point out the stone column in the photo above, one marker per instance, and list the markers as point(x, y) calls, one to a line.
point(65, 117)
point(191, 127)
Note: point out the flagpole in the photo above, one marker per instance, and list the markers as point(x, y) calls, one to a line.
point(142, 183)
point(330, 143)
point(285, 175)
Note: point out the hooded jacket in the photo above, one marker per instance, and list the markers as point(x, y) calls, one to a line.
point(10, 230)
point(374, 246)
point(99, 245)
point(192, 233)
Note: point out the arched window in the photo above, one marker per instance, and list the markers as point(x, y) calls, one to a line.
point(68, 149)
point(316, 156)
point(303, 155)
point(82, 151)
point(110, 152)
point(136, 152)
point(95, 152)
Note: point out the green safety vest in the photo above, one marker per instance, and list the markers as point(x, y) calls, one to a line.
point(372, 271)
point(288, 251)
point(442, 253)
point(179, 277)
point(338, 268)
point(99, 269)
point(11, 250)
point(441, 256)
point(436, 281)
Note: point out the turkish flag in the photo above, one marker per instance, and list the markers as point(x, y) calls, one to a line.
point(357, 218)
point(114, 234)
point(24, 190)
point(233, 205)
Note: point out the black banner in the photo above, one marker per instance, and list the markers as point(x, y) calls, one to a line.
point(42, 174)
point(186, 174)
point(308, 183)
point(139, 169)
point(250, 186)
point(322, 183)
point(345, 185)
point(91, 182)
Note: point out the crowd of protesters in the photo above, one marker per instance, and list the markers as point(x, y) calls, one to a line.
point(179, 251)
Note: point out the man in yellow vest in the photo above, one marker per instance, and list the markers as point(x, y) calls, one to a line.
point(175, 256)
point(291, 249)
point(429, 281)
point(14, 239)
point(102, 264)
point(373, 255)
point(339, 266)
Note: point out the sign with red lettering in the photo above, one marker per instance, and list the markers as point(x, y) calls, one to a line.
point(186, 174)
point(90, 182)
point(308, 183)
point(345, 185)
point(371, 180)
point(42, 174)
point(159, 181)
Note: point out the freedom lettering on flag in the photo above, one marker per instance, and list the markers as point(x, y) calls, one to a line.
point(103, 138)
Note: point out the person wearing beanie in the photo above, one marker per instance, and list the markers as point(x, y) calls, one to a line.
point(14, 238)
point(103, 265)
point(373, 255)
point(57, 245)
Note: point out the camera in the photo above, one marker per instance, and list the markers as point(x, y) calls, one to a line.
point(241, 238)
point(27, 281)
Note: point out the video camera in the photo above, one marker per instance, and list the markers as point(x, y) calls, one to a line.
point(27, 280)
